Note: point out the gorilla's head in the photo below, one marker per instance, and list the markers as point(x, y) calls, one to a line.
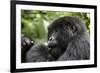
point(61, 30)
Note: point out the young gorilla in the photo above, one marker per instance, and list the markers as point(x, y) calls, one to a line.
point(68, 39)
point(31, 52)
point(38, 53)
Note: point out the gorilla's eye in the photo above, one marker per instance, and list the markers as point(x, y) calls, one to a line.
point(73, 28)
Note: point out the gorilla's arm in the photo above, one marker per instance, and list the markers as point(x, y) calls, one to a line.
point(78, 49)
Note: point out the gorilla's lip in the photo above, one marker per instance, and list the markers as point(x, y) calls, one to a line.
point(52, 46)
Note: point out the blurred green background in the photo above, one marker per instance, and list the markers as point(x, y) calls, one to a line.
point(34, 23)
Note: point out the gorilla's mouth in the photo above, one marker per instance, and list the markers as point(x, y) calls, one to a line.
point(50, 45)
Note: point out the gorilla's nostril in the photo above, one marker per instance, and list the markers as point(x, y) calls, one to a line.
point(50, 39)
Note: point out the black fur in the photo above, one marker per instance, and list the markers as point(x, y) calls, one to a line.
point(26, 44)
point(68, 39)
point(38, 53)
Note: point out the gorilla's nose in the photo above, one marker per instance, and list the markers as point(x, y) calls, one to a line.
point(50, 45)
point(51, 39)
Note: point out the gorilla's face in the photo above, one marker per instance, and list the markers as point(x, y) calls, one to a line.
point(59, 36)
point(53, 38)
point(57, 41)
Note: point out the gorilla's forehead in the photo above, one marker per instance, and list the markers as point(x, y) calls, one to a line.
point(57, 23)
point(62, 21)
point(67, 21)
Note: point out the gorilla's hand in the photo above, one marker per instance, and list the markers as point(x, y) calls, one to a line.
point(26, 42)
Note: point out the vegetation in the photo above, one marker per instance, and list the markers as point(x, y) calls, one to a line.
point(34, 23)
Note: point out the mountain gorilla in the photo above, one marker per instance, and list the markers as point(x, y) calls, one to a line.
point(68, 39)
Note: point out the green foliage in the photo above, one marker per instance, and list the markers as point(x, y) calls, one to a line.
point(34, 23)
